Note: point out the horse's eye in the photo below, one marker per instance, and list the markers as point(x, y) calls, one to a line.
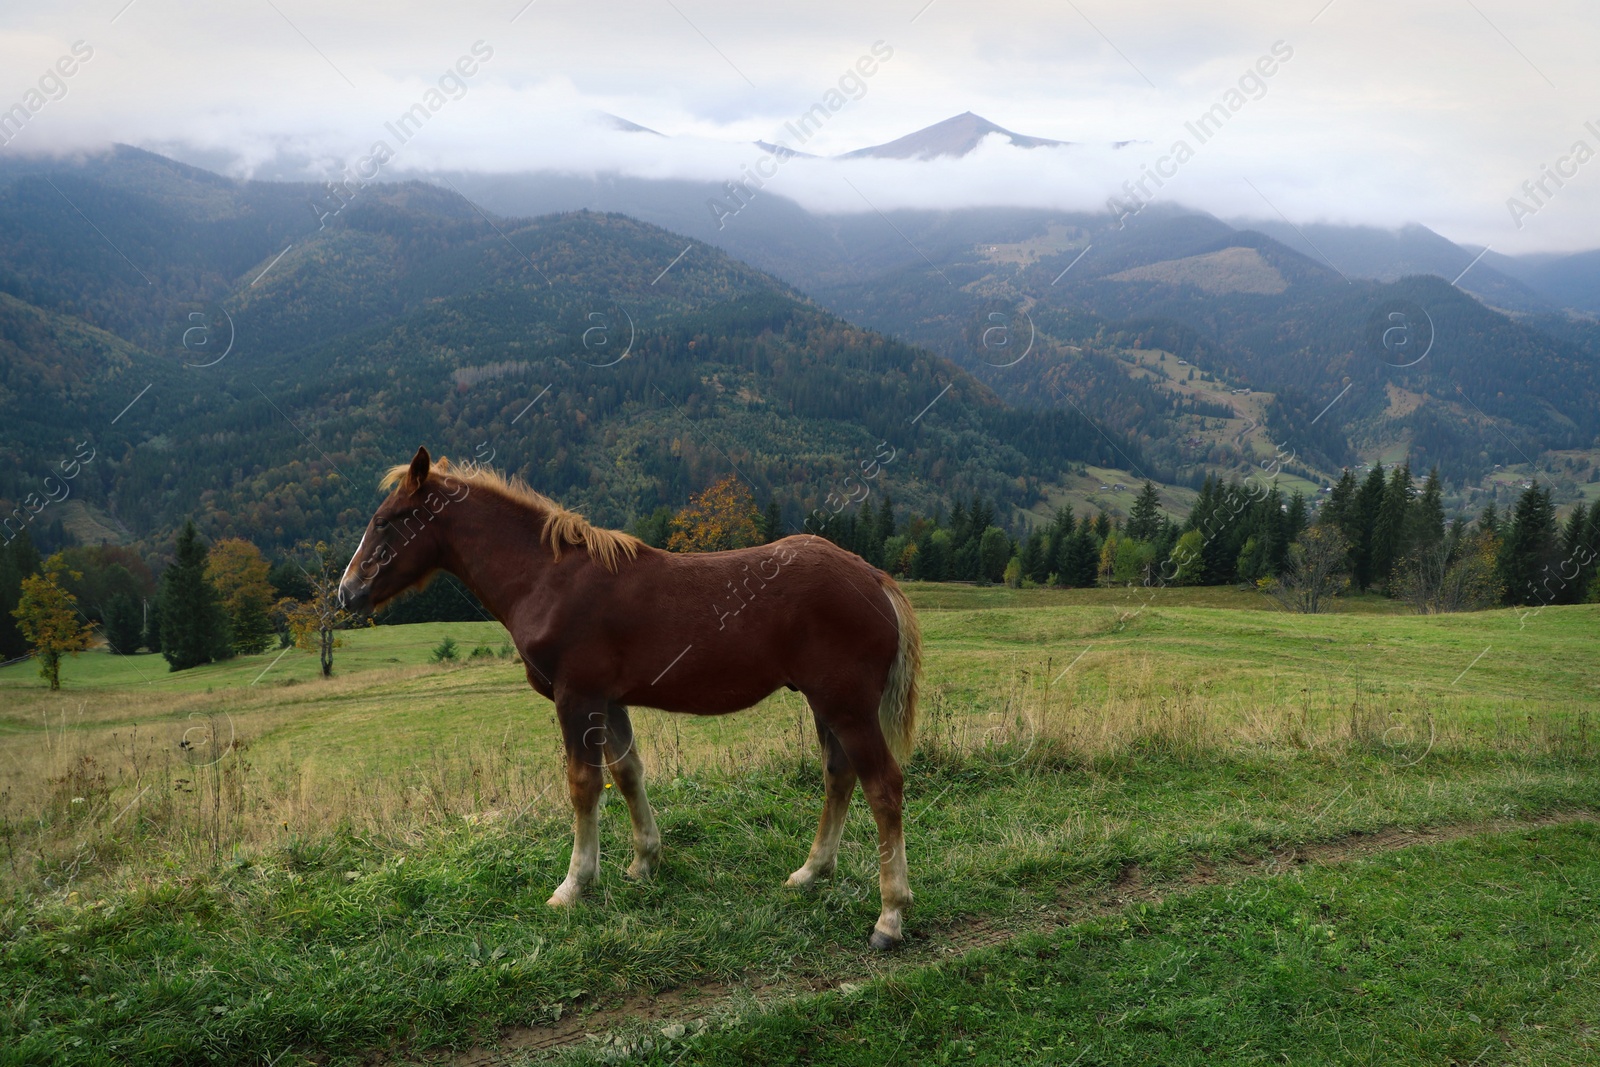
point(381, 524)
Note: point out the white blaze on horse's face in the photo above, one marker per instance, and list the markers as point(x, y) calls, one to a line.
point(349, 589)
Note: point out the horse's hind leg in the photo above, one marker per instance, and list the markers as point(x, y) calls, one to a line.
point(627, 770)
point(583, 728)
point(856, 726)
point(838, 784)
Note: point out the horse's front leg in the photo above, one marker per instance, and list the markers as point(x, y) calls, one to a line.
point(583, 729)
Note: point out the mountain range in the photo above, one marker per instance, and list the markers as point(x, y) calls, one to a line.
point(251, 353)
point(227, 353)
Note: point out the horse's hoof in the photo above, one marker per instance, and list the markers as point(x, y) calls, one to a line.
point(807, 878)
point(639, 872)
point(883, 942)
point(563, 898)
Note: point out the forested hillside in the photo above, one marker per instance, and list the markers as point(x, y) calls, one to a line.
point(1252, 313)
point(251, 355)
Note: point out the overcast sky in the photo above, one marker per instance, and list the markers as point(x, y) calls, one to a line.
point(1430, 111)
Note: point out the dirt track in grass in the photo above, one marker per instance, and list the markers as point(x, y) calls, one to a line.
point(689, 1005)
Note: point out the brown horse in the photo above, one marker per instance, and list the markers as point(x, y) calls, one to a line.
point(619, 623)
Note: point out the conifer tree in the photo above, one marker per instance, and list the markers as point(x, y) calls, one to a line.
point(884, 527)
point(1528, 549)
point(772, 523)
point(124, 625)
point(1085, 557)
point(1427, 518)
point(194, 629)
point(1340, 502)
point(1359, 523)
point(1387, 541)
point(17, 560)
point(1295, 519)
point(1489, 520)
point(1575, 556)
point(1031, 559)
point(1144, 521)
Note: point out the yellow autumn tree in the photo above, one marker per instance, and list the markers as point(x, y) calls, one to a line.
point(313, 623)
point(239, 572)
point(49, 619)
point(720, 517)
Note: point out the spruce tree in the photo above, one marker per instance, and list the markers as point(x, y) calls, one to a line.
point(1589, 579)
point(1144, 521)
point(1295, 519)
point(772, 522)
point(884, 528)
point(1061, 528)
point(868, 547)
point(18, 560)
point(1340, 502)
point(1427, 518)
point(1086, 557)
point(1489, 520)
point(1528, 550)
point(1576, 556)
point(1359, 523)
point(1031, 558)
point(194, 629)
point(124, 625)
point(1388, 546)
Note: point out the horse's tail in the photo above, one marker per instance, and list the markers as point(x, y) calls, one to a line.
point(897, 711)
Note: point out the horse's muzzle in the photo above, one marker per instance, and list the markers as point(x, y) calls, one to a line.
point(353, 598)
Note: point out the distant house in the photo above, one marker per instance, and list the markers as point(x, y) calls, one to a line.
point(1106, 487)
point(1183, 363)
point(1119, 487)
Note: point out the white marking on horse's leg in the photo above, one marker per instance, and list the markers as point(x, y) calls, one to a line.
point(628, 772)
point(893, 889)
point(585, 859)
point(830, 828)
point(584, 783)
point(884, 794)
point(839, 785)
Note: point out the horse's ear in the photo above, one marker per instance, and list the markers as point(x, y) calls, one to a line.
point(419, 470)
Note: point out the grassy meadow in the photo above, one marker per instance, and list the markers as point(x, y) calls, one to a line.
point(247, 863)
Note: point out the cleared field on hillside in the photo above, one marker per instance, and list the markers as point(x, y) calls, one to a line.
point(247, 860)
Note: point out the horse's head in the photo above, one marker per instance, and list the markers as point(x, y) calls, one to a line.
point(401, 546)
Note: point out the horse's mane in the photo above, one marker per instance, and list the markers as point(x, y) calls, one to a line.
point(561, 526)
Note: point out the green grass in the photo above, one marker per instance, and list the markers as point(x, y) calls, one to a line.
point(1481, 952)
point(375, 648)
point(345, 942)
point(369, 872)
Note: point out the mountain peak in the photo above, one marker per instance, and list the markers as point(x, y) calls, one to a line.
point(955, 136)
point(617, 122)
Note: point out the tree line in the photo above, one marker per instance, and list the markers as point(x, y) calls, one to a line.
point(1382, 533)
point(209, 604)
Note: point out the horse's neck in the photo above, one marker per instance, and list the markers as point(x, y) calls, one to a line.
point(494, 546)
